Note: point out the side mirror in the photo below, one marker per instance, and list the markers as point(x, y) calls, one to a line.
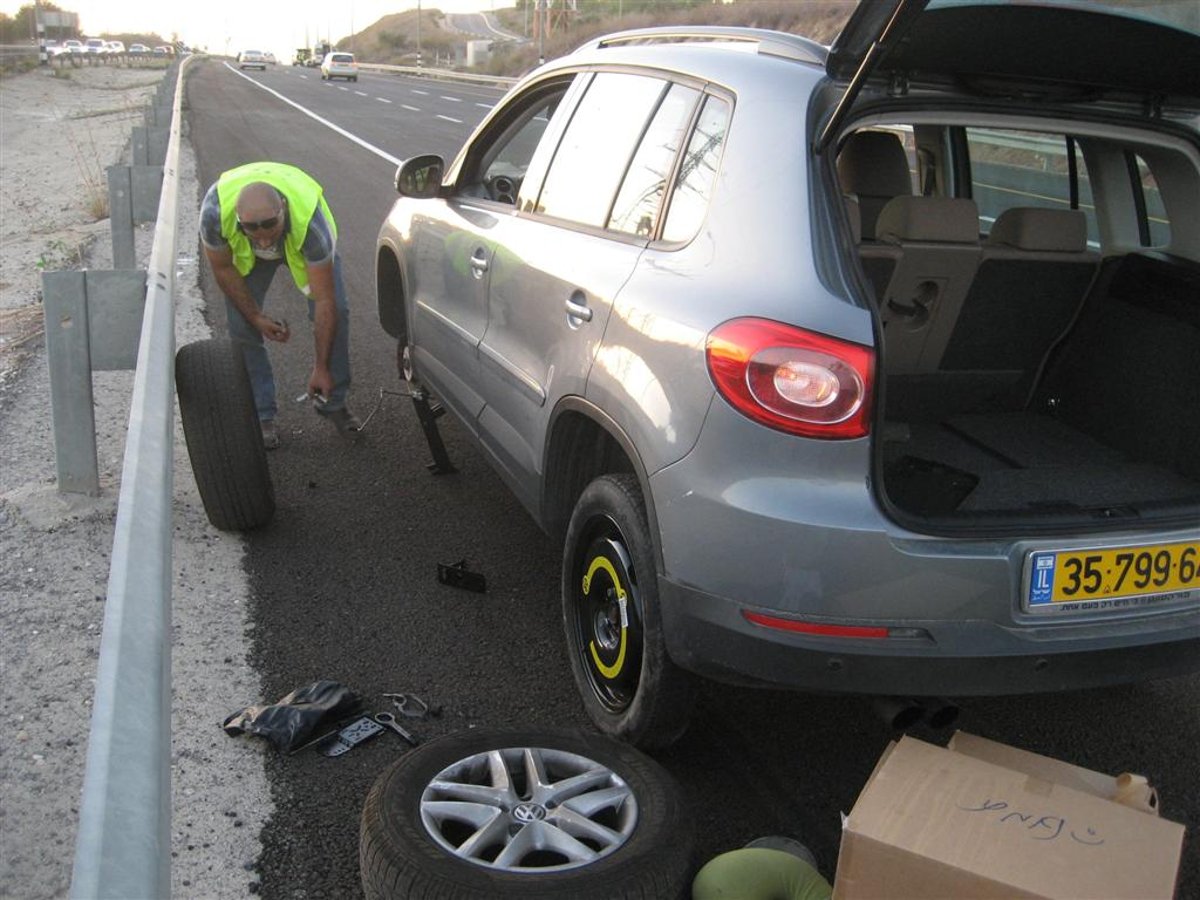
point(420, 177)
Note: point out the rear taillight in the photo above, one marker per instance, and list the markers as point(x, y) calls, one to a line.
point(792, 380)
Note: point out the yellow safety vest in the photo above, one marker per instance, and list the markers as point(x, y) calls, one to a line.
point(303, 195)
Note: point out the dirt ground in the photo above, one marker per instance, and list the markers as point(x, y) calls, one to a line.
point(58, 135)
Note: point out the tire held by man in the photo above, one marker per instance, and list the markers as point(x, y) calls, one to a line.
point(224, 441)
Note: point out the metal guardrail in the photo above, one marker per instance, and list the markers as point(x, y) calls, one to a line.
point(443, 74)
point(123, 848)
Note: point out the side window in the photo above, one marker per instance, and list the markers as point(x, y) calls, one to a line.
point(697, 173)
point(597, 146)
point(1159, 225)
point(645, 184)
point(508, 158)
point(1022, 168)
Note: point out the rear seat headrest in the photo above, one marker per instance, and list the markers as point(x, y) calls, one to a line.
point(947, 220)
point(1031, 228)
point(874, 164)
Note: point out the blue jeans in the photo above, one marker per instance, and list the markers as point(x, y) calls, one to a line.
point(262, 379)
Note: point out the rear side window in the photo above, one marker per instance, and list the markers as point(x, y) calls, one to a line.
point(645, 185)
point(1157, 229)
point(697, 172)
point(597, 147)
point(1024, 168)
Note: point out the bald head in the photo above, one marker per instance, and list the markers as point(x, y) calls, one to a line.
point(258, 201)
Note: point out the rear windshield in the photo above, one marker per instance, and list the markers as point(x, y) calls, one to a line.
point(342, 58)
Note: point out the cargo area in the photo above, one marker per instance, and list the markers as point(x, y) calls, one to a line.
point(1092, 414)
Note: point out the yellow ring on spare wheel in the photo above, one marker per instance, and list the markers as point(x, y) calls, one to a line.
point(601, 562)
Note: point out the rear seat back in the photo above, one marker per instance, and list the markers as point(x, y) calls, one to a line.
point(937, 241)
point(873, 167)
point(1034, 272)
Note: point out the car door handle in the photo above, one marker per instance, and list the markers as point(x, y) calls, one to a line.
point(479, 263)
point(580, 311)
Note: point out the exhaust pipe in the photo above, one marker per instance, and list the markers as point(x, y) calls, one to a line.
point(899, 713)
point(903, 713)
point(940, 712)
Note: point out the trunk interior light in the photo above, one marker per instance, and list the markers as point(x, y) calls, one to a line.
point(792, 380)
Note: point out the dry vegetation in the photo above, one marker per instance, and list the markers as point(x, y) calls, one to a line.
point(393, 39)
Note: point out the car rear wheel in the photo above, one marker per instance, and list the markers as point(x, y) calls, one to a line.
point(487, 813)
point(630, 687)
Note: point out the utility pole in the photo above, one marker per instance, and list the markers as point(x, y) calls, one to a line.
point(40, 31)
point(418, 34)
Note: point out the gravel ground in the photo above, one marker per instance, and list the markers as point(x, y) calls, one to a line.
point(57, 136)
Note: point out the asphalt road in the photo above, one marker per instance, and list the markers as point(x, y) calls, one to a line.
point(345, 583)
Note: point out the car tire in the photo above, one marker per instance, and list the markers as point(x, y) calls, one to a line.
point(224, 440)
point(630, 687)
point(449, 820)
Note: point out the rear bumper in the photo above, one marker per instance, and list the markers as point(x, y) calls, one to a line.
point(709, 636)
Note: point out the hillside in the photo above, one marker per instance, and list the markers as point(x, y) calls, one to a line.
point(393, 38)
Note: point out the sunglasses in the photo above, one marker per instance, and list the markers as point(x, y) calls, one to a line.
point(261, 225)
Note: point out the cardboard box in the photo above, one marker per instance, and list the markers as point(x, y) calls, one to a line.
point(982, 820)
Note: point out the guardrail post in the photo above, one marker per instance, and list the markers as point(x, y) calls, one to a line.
point(93, 322)
point(120, 216)
point(150, 145)
point(64, 303)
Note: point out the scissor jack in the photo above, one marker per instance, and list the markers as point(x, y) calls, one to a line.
point(428, 412)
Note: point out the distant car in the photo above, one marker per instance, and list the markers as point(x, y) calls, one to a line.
point(95, 46)
point(252, 59)
point(270, 57)
point(339, 65)
point(162, 51)
point(115, 48)
point(138, 49)
point(73, 46)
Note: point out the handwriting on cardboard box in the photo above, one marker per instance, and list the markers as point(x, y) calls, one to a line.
point(1040, 827)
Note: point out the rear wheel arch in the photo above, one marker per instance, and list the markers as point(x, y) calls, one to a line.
point(582, 444)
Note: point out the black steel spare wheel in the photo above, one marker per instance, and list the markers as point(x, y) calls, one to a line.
point(529, 813)
point(630, 687)
point(224, 441)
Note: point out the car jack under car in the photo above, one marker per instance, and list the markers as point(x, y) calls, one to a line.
point(428, 412)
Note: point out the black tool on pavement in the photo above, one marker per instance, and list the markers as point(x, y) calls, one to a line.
point(457, 575)
point(410, 705)
point(351, 736)
point(386, 718)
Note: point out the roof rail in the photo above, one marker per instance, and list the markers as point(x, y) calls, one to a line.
point(770, 43)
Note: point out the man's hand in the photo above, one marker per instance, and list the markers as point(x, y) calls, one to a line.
point(272, 330)
point(320, 382)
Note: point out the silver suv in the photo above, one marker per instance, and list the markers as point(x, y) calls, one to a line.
point(872, 368)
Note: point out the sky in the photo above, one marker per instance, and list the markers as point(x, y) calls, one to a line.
point(229, 26)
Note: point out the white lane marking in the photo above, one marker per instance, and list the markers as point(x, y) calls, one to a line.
point(448, 119)
point(486, 105)
point(406, 106)
point(452, 99)
point(424, 93)
point(342, 87)
point(383, 99)
point(362, 93)
point(383, 154)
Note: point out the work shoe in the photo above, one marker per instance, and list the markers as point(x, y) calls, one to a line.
point(270, 434)
point(346, 422)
